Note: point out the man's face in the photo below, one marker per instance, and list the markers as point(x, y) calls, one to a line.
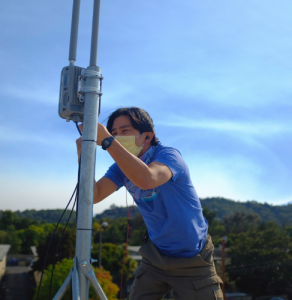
point(122, 126)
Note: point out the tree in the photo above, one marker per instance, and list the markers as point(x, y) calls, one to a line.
point(137, 230)
point(216, 228)
point(240, 222)
point(66, 248)
point(112, 260)
point(105, 280)
point(13, 240)
point(61, 271)
point(261, 259)
point(33, 236)
point(115, 232)
point(8, 219)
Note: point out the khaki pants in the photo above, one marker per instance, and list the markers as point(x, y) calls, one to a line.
point(191, 278)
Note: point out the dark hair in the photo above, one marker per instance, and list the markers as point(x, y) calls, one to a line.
point(140, 120)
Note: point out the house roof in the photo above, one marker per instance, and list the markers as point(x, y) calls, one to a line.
point(3, 251)
point(134, 248)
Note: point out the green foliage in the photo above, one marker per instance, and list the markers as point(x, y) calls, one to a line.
point(38, 216)
point(3, 237)
point(224, 207)
point(137, 230)
point(240, 222)
point(61, 271)
point(216, 228)
point(112, 260)
point(12, 239)
point(33, 236)
point(116, 212)
point(66, 248)
point(105, 280)
point(261, 259)
point(10, 218)
point(116, 232)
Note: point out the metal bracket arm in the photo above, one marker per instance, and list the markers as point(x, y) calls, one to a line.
point(89, 273)
point(64, 287)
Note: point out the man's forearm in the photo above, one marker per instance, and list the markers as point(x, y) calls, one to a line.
point(135, 169)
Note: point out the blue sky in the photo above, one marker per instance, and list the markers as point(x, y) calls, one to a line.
point(215, 77)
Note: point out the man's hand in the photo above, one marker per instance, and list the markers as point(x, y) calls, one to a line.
point(102, 133)
point(79, 147)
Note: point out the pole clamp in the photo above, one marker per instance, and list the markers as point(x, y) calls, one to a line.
point(83, 88)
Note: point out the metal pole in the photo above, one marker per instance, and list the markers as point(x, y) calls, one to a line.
point(74, 31)
point(94, 34)
point(87, 170)
point(100, 248)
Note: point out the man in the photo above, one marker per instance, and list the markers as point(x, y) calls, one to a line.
point(178, 253)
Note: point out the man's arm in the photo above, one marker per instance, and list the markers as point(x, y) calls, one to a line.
point(143, 176)
point(103, 188)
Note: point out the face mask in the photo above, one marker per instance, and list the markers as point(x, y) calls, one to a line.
point(128, 142)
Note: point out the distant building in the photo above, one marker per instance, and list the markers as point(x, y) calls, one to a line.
point(238, 296)
point(3, 258)
point(133, 252)
point(34, 251)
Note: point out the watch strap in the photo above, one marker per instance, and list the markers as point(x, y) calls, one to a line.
point(107, 142)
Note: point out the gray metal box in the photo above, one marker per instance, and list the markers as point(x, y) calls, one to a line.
point(69, 102)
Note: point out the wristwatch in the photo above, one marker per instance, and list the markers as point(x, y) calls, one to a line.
point(107, 142)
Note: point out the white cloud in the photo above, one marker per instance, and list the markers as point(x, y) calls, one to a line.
point(253, 128)
point(37, 93)
point(236, 178)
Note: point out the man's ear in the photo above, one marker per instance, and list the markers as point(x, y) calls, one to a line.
point(148, 138)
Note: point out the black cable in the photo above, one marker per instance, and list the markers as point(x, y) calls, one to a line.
point(75, 201)
point(52, 240)
point(78, 128)
point(56, 253)
point(77, 192)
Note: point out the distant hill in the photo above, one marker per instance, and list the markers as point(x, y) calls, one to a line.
point(48, 215)
point(116, 212)
point(223, 207)
point(282, 214)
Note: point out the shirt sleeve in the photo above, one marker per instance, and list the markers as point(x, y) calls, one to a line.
point(115, 174)
point(173, 159)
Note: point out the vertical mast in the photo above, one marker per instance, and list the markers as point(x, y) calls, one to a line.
point(74, 31)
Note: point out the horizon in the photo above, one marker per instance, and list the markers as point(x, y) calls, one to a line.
point(203, 199)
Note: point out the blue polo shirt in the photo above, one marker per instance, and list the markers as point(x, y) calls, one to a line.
point(172, 212)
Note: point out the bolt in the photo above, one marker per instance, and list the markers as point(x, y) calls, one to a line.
point(84, 263)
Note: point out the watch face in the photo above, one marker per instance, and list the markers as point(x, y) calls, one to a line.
point(107, 142)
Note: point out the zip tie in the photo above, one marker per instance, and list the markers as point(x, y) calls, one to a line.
point(83, 229)
point(89, 141)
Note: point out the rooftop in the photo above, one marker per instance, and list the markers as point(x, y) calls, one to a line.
point(3, 251)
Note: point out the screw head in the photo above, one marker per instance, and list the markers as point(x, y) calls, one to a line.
point(84, 263)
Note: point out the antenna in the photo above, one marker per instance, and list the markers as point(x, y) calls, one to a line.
point(74, 31)
point(80, 101)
